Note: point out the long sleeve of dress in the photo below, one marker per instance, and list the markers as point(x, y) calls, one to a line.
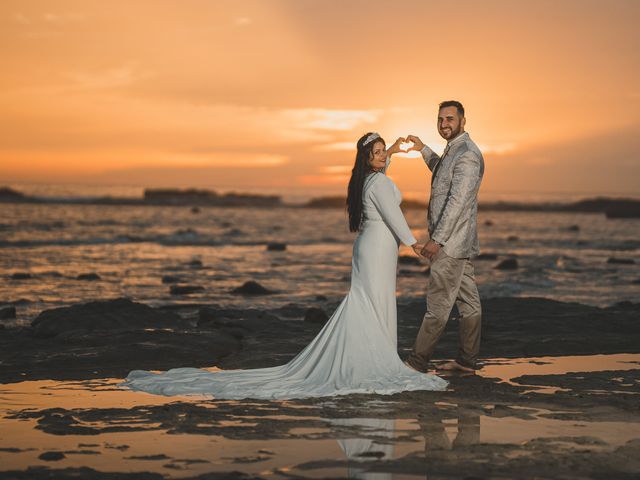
point(384, 199)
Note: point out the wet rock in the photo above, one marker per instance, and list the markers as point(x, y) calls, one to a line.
point(507, 264)
point(322, 298)
point(574, 228)
point(291, 310)
point(636, 281)
point(195, 209)
point(171, 279)
point(315, 315)
point(487, 256)
point(51, 456)
point(185, 289)
point(405, 272)
point(408, 260)
point(513, 238)
point(7, 313)
point(102, 315)
point(251, 288)
point(488, 223)
point(238, 322)
point(621, 261)
point(195, 264)
point(160, 456)
point(88, 276)
point(21, 276)
point(276, 247)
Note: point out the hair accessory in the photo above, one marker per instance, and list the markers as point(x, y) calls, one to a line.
point(370, 138)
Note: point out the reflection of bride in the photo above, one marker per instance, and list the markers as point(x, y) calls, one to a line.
point(356, 351)
point(359, 450)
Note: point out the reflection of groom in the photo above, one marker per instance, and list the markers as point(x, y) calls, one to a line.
point(452, 219)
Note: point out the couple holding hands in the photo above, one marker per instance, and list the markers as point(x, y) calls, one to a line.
point(356, 350)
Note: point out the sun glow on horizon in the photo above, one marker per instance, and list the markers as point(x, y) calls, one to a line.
point(263, 95)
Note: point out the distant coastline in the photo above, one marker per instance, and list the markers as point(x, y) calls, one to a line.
point(611, 207)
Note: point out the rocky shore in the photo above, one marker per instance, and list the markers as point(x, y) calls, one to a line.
point(106, 339)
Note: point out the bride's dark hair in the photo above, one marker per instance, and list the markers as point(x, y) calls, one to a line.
point(359, 173)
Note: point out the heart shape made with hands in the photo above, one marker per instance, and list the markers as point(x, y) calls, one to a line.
point(406, 146)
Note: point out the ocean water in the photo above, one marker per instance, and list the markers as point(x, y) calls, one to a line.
point(132, 247)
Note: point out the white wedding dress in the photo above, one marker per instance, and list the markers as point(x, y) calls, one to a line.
point(356, 350)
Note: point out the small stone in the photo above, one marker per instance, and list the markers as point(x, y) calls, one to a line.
point(7, 313)
point(185, 289)
point(88, 276)
point(574, 228)
point(171, 279)
point(195, 210)
point(508, 264)
point(321, 298)
point(21, 276)
point(51, 456)
point(513, 238)
point(487, 256)
point(195, 264)
point(276, 247)
point(408, 260)
point(251, 288)
point(621, 261)
point(315, 315)
point(488, 223)
point(636, 281)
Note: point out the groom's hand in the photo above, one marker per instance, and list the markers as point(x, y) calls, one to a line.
point(430, 250)
point(417, 143)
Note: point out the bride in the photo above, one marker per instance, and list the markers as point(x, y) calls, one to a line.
point(356, 350)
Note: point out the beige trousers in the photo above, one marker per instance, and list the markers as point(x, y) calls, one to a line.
point(451, 281)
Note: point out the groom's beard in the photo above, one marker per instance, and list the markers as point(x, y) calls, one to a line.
point(449, 133)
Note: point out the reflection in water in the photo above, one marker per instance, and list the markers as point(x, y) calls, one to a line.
point(358, 450)
point(196, 436)
point(436, 436)
point(377, 442)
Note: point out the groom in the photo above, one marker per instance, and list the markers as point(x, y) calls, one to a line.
point(452, 219)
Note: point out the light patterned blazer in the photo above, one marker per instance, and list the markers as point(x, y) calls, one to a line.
point(453, 206)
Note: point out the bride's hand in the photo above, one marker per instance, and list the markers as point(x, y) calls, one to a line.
point(395, 148)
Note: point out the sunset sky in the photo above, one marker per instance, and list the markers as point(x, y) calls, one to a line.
point(274, 94)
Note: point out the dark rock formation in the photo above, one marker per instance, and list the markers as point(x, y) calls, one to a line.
point(408, 260)
point(251, 288)
point(51, 456)
point(171, 279)
point(487, 256)
point(21, 276)
point(7, 313)
point(88, 276)
point(185, 289)
point(276, 247)
point(621, 261)
point(315, 315)
point(120, 314)
point(507, 264)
